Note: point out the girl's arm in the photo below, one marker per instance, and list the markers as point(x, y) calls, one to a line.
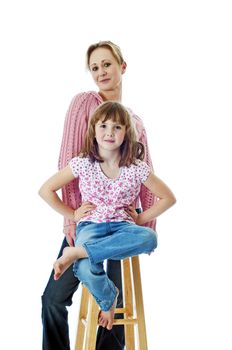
point(165, 199)
point(52, 185)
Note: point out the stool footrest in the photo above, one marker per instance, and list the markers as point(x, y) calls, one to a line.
point(118, 321)
point(125, 321)
point(121, 310)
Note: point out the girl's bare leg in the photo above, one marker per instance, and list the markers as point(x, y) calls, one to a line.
point(106, 318)
point(70, 254)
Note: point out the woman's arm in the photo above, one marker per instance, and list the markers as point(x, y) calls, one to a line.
point(75, 126)
point(165, 199)
point(52, 185)
point(147, 198)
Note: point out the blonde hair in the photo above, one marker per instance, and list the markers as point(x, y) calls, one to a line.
point(130, 149)
point(114, 49)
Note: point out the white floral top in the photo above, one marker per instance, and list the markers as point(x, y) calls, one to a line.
point(110, 196)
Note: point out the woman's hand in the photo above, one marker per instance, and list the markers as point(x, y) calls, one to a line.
point(70, 230)
point(132, 212)
point(84, 210)
point(70, 234)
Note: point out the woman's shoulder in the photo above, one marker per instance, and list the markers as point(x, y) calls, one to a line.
point(84, 103)
point(87, 96)
point(134, 115)
point(138, 123)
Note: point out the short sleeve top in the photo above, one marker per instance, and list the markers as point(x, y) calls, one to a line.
point(111, 196)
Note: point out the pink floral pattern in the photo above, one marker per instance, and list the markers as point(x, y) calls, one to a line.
point(111, 196)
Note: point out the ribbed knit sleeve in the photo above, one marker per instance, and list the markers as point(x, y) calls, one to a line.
point(147, 198)
point(75, 126)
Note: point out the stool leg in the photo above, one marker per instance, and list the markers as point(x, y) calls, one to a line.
point(92, 324)
point(82, 316)
point(142, 337)
point(89, 310)
point(128, 305)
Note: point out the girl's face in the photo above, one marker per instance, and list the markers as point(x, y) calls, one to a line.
point(105, 70)
point(109, 135)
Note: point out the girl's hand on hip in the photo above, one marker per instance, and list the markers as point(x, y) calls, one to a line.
point(84, 210)
point(130, 210)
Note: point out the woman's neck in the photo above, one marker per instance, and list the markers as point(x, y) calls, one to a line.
point(112, 95)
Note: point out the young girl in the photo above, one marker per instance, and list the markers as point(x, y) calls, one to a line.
point(110, 172)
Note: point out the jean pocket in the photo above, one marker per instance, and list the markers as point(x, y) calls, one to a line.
point(83, 223)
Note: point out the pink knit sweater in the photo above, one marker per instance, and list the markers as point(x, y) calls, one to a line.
point(76, 122)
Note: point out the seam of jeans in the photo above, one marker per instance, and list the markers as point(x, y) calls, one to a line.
point(114, 295)
point(84, 245)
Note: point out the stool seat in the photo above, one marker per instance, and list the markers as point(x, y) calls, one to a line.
point(132, 310)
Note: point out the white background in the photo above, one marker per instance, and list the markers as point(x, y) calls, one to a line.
point(179, 81)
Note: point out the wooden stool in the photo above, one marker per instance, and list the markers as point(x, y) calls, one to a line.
point(133, 311)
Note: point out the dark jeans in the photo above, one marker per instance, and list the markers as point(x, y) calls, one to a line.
point(58, 295)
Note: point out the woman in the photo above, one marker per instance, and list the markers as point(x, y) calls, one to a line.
point(106, 65)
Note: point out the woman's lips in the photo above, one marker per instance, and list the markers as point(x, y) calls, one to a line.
point(104, 81)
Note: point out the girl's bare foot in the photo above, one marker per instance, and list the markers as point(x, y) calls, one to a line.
point(70, 254)
point(106, 318)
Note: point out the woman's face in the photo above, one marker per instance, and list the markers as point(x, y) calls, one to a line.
point(105, 70)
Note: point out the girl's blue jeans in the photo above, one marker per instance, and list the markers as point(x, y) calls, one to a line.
point(108, 240)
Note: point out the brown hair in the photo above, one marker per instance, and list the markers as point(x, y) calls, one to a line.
point(130, 149)
point(114, 49)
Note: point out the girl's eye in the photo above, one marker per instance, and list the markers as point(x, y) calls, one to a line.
point(107, 64)
point(118, 127)
point(102, 126)
point(94, 69)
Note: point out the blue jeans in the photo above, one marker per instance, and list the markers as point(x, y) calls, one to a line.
point(108, 240)
point(55, 299)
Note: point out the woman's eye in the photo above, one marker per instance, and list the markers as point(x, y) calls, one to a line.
point(94, 69)
point(102, 126)
point(118, 127)
point(107, 64)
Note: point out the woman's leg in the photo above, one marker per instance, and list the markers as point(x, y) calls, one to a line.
point(114, 339)
point(56, 297)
